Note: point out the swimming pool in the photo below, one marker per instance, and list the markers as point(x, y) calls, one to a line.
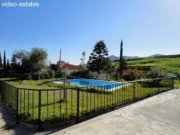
point(107, 85)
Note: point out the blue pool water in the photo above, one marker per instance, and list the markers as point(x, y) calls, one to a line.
point(107, 85)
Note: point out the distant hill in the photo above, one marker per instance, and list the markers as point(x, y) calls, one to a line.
point(156, 55)
point(115, 58)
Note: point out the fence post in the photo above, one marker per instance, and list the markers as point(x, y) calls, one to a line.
point(172, 83)
point(77, 115)
point(39, 112)
point(17, 106)
point(134, 88)
point(158, 87)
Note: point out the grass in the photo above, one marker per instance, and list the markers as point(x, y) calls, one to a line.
point(53, 105)
point(167, 64)
point(34, 84)
point(177, 83)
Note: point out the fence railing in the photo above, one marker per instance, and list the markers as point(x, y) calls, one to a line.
point(177, 82)
point(48, 107)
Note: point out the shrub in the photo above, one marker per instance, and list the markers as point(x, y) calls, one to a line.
point(52, 73)
point(155, 72)
point(24, 76)
point(82, 73)
point(43, 74)
point(35, 75)
point(132, 74)
point(59, 74)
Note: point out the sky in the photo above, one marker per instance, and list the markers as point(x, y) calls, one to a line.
point(146, 26)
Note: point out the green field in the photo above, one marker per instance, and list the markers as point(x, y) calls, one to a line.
point(167, 64)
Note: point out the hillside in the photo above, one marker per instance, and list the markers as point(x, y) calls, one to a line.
point(167, 64)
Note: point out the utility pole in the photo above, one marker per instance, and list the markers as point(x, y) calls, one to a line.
point(60, 58)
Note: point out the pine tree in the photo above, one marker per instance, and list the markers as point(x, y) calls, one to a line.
point(98, 60)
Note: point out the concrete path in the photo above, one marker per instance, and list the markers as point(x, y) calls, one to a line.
point(7, 122)
point(158, 115)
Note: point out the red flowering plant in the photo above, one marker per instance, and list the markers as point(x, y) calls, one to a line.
point(132, 74)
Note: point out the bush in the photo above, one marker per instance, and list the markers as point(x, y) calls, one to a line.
point(43, 74)
point(59, 74)
point(24, 76)
point(52, 73)
point(155, 73)
point(36, 76)
point(81, 74)
point(132, 74)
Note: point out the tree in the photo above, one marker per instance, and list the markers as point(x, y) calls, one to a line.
point(1, 61)
point(21, 55)
point(8, 66)
point(98, 60)
point(4, 63)
point(83, 61)
point(22, 58)
point(13, 63)
point(121, 60)
point(54, 67)
point(30, 62)
point(4, 60)
point(37, 59)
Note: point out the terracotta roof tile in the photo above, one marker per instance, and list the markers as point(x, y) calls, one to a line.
point(68, 66)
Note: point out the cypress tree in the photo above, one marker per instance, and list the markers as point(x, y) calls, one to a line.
point(4, 63)
point(1, 61)
point(8, 65)
point(4, 60)
point(121, 59)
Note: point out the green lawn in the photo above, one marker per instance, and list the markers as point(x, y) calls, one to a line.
point(36, 84)
point(177, 83)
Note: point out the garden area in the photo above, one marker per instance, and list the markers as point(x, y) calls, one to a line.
point(26, 86)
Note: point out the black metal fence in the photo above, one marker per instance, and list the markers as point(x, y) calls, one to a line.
point(177, 82)
point(49, 107)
